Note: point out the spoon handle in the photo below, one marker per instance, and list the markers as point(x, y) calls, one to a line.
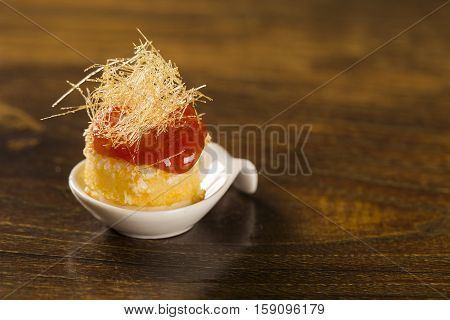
point(247, 176)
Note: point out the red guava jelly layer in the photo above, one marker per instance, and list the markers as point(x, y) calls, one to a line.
point(174, 151)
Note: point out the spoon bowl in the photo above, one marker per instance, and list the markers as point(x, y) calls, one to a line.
point(218, 170)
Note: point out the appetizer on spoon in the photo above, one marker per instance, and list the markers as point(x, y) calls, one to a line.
point(144, 142)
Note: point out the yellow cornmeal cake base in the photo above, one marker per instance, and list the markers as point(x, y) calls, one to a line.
point(126, 184)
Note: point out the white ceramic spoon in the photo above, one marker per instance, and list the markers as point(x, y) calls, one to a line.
point(218, 170)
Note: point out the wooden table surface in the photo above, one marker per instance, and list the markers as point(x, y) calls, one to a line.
point(372, 221)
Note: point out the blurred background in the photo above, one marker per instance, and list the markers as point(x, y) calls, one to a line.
point(379, 146)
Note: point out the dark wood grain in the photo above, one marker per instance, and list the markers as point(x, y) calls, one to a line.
point(379, 151)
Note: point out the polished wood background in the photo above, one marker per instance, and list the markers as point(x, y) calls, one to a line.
point(379, 150)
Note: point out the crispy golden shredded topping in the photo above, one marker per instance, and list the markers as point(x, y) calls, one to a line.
point(146, 90)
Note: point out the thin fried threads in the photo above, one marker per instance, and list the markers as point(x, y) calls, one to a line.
point(145, 90)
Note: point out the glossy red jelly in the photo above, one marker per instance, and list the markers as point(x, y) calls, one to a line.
point(174, 151)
